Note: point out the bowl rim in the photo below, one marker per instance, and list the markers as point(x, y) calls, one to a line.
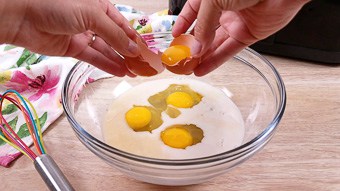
point(233, 154)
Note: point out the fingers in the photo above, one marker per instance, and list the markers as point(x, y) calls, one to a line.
point(110, 25)
point(225, 51)
point(99, 54)
point(91, 56)
point(186, 18)
point(207, 22)
point(221, 36)
point(120, 20)
point(102, 47)
point(115, 36)
point(208, 15)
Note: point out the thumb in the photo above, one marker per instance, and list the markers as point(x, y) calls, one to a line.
point(208, 19)
point(207, 22)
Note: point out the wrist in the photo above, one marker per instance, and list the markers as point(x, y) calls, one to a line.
point(12, 14)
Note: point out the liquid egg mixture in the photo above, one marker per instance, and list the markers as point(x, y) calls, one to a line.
point(173, 119)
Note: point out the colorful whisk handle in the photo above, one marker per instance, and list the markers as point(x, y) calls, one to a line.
point(51, 174)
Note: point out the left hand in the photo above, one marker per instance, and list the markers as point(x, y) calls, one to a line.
point(66, 28)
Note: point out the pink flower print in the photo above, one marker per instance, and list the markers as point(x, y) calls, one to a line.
point(35, 87)
point(38, 82)
point(143, 21)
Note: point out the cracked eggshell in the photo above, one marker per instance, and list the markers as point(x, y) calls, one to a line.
point(148, 63)
point(187, 65)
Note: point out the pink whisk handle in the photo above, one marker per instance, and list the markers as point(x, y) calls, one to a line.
point(51, 174)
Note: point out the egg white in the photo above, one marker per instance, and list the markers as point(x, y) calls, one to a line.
point(218, 117)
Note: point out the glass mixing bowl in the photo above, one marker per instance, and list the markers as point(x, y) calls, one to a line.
point(251, 81)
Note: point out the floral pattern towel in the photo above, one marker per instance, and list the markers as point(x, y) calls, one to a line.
point(40, 78)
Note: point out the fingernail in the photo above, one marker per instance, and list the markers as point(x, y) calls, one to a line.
point(196, 48)
point(198, 72)
point(133, 48)
point(137, 35)
point(131, 30)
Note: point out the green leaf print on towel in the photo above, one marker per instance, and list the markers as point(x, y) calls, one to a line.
point(9, 47)
point(12, 124)
point(23, 131)
point(10, 108)
point(25, 54)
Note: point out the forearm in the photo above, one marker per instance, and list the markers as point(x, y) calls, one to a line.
point(12, 14)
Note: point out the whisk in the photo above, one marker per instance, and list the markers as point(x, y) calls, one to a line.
point(44, 164)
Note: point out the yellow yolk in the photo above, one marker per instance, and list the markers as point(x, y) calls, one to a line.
point(174, 54)
point(138, 117)
point(180, 100)
point(177, 137)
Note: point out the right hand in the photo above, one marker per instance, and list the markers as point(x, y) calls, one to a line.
point(225, 27)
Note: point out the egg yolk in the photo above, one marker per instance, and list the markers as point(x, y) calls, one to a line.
point(176, 137)
point(138, 117)
point(174, 54)
point(180, 100)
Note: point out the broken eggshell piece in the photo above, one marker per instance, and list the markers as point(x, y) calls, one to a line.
point(148, 63)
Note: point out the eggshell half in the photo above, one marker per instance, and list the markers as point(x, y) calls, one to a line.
point(187, 65)
point(184, 39)
point(147, 64)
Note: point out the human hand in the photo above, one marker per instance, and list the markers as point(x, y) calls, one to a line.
point(225, 27)
point(66, 28)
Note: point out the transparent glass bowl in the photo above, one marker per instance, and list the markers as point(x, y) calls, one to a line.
point(254, 86)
